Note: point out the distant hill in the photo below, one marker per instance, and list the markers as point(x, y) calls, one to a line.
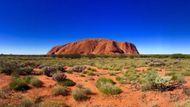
point(95, 46)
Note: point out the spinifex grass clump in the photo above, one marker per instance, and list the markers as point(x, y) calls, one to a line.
point(130, 77)
point(60, 90)
point(67, 82)
point(26, 102)
point(81, 93)
point(36, 82)
point(122, 80)
point(106, 86)
point(19, 84)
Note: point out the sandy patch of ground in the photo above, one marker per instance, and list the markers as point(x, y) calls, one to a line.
point(130, 97)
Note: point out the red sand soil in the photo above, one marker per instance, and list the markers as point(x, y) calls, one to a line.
point(130, 97)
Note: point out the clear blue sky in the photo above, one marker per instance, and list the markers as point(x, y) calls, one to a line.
point(154, 26)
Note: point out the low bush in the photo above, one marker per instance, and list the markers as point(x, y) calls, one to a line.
point(92, 69)
point(86, 90)
point(53, 104)
point(59, 76)
point(37, 71)
point(8, 67)
point(27, 79)
point(153, 81)
point(38, 99)
point(60, 68)
point(29, 64)
point(157, 63)
point(59, 90)
point(4, 93)
point(78, 68)
point(69, 71)
point(186, 91)
point(89, 73)
point(67, 82)
point(186, 73)
point(106, 86)
point(24, 70)
point(26, 102)
point(18, 84)
point(185, 103)
point(36, 82)
point(81, 93)
point(176, 76)
point(49, 71)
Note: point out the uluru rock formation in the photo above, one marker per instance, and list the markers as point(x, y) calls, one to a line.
point(95, 46)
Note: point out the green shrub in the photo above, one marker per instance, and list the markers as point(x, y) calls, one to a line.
point(66, 82)
point(59, 76)
point(24, 70)
point(186, 73)
point(27, 79)
point(36, 82)
point(131, 75)
point(122, 80)
point(8, 67)
point(30, 64)
point(107, 87)
point(81, 93)
point(153, 81)
point(176, 76)
point(59, 90)
point(18, 84)
point(162, 82)
point(105, 80)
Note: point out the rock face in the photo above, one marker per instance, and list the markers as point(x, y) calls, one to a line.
point(95, 46)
